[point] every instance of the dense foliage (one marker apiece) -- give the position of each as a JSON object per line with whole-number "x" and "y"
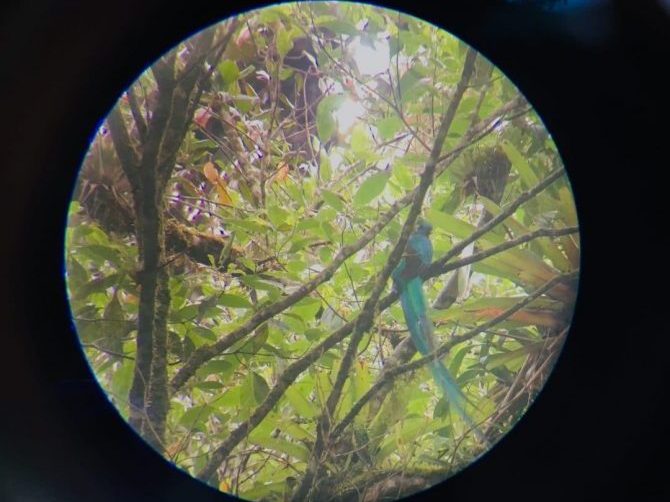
{"x": 282, "y": 177}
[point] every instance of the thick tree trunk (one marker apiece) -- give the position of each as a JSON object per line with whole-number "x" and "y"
{"x": 148, "y": 402}
{"x": 148, "y": 169}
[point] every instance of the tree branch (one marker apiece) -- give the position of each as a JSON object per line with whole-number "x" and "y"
{"x": 178, "y": 119}
{"x": 163, "y": 71}
{"x": 222, "y": 45}
{"x": 493, "y": 222}
{"x": 128, "y": 156}
{"x": 522, "y": 239}
{"x": 137, "y": 114}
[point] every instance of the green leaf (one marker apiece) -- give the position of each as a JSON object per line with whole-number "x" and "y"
{"x": 195, "y": 416}
{"x": 296, "y": 431}
{"x": 340, "y": 26}
{"x": 229, "y": 71}
{"x": 121, "y": 381}
{"x": 296, "y": 266}
{"x": 286, "y": 72}
{"x": 528, "y": 176}
{"x": 216, "y": 367}
{"x": 548, "y": 246}
{"x": 458, "y": 127}
{"x": 244, "y": 103}
{"x": 450, "y": 224}
{"x": 408, "y": 80}
{"x": 403, "y": 176}
{"x": 325, "y": 254}
{"x": 360, "y": 141}
{"x": 389, "y": 126}
{"x": 332, "y": 199}
{"x": 100, "y": 253}
{"x": 326, "y": 214}
{"x": 325, "y": 167}
{"x": 187, "y": 347}
{"x": 413, "y": 159}
{"x": 248, "y": 70}
{"x": 230, "y": 399}
{"x": 413, "y": 85}
{"x": 299, "y": 244}
{"x": 209, "y": 386}
{"x": 234, "y": 301}
{"x": 295, "y": 193}
{"x": 76, "y": 274}
{"x": 260, "y": 387}
{"x": 412, "y": 41}
{"x": 467, "y": 105}
{"x": 325, "y": 122}
{"x": 284, "y": 41}
{"x": 277, "y": 215}
{"x": 208, "y": 307}
{"x": 304, "y": 407}
{"x": 268, "y": 16}
{"x": 567, "y": 206}
{"x": 467, "y": 376}
{"x": 441, "y": 409}
{"x": 411, "y": 430}
{"x": 294, "y": 322}
{"x": 263, "y": 490}
{"x": 187, "y": 313}
{"x": 313, "y": 334}
{"x": 255, "y": 225}
{"x": 197, "y": 333}
{"x": 295, "y": 450}
{"x": 541, "y": 312}
{"x": 513, "y": 356}
{"x": 307, "y": 308}
{"x": 74, "y": 208}
{"x": 457, "y": 360}
{"x": 328, "y": 231}
{"x": 357, "y": 271}
{"x": 370, "y": 189}
{"x": 257, "y": 283}
{"x": 254, "y": 390}
{"x": 96, "y": 285}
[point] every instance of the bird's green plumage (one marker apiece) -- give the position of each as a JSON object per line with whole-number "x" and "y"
{"x": 409, "y": 284}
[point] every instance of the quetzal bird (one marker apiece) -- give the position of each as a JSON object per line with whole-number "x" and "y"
{"x": 408, "y": 284}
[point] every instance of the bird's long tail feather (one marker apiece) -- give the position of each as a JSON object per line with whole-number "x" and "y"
{"x": 414, "y": 307}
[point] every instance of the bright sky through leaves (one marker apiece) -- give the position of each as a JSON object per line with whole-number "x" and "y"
{"x": 369, "y": 61}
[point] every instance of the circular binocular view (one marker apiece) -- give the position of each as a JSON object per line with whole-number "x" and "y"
{"x": 322, "y": 251}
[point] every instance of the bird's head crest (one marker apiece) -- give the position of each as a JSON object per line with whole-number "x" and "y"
{"x": 424, "y": 227}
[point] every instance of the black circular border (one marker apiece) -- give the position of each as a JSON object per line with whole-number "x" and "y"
{"x": 596, "y": 79}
